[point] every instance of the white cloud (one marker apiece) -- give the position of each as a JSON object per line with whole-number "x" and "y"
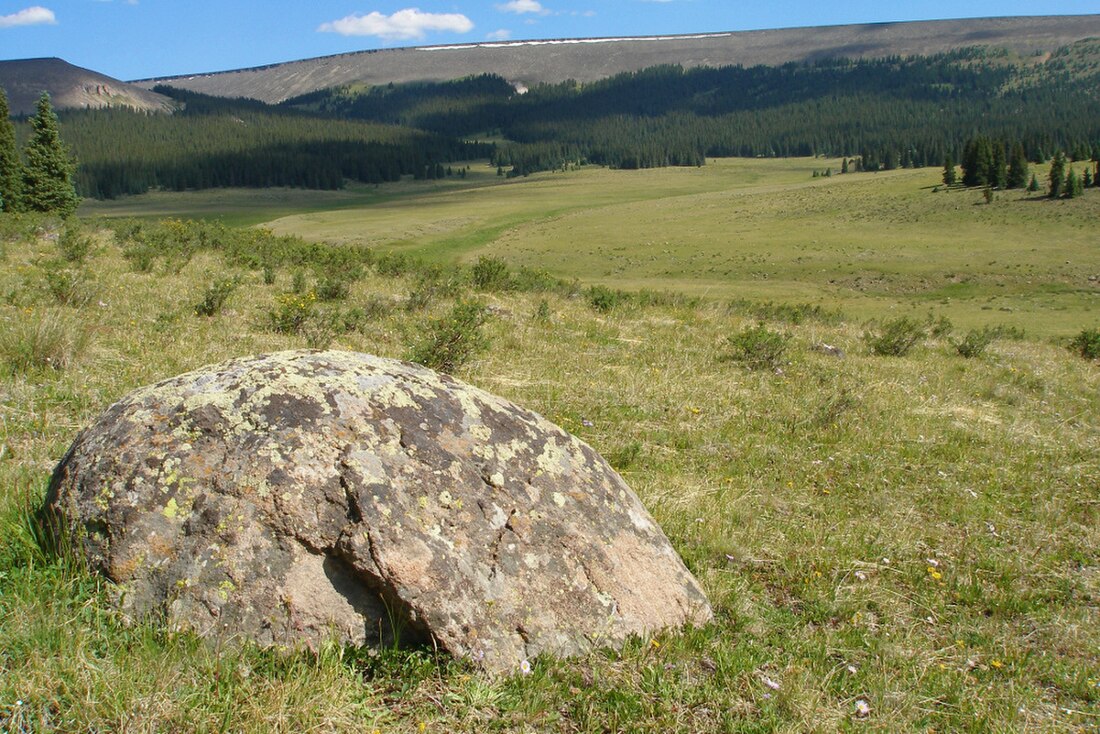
{"x": 404, "y": 24}
{"x": 523, "y": 6}
{"x": 36, "y": 15}
{"x": 502, "y": 35}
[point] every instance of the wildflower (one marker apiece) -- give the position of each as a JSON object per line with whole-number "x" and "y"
{"x": 587, "y": 423}
{"x": 932, "y": 562}
{"x": 861, "y": 576}
{"x": 655, "y": 644}
{"x": 771, "y": 683}
{"x": 525, "y": 667}
{"x": 862, "y": 708}
{"x": 996, "y": 664}
{"x": 853, "y": 669}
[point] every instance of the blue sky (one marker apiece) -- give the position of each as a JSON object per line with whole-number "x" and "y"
{"x": 131, "y": 39}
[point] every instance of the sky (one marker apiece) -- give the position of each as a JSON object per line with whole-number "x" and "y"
{"x": 135, "y": 39}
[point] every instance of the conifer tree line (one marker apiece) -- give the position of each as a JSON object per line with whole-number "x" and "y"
{"x": 876, "y": 114}
{"x": 42, "y": 180}
{"x": 998, "y": 164}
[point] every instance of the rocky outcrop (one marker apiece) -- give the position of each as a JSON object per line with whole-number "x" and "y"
{"x": 295, "y": 496}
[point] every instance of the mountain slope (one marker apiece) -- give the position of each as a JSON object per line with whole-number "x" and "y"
{"x": 526, "y": 63}
{"x": 72, "y": 87}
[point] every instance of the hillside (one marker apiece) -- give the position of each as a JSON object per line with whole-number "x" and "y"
{"x": 526, "y": 63}
{"x": 72, "y": 87}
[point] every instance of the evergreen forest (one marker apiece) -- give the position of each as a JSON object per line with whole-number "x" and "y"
{"x": 883, "y": 113}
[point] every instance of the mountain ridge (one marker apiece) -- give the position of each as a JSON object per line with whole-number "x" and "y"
{"x": 529, "y": 62}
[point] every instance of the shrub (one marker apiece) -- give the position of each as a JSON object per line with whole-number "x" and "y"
{"x": 291, "y": 312}
{"x": 788, "y": 313}
{"x": 269, "y": 275}
{"x": 41, "y": 340}
{"x": 453, "y": 340}
{"x": 758, "y": 347}
{"x": 894, "y": 338}
{"x": 68, "y": 286}
{"x": 298, "y": 283}
{"x": 542, "y": 311}
{"x": 940, "y": 327}
{"x": 73, "y": 243}
{"x": 491, "y": 274}
{"x": 217, "y": 293}
{"x": 603, "y": 299}
{"x": 333, "y": 287}
{"x": 975, "y": 342}
{"x": 1087, "y": 343}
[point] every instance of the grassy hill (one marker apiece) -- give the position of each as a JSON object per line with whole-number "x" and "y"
{"x": 891, "y": 542}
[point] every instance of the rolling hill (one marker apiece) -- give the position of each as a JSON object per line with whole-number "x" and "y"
{"x": 526, "y": 63}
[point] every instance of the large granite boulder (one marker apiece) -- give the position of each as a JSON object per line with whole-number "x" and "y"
{"x": 296, "y": 496}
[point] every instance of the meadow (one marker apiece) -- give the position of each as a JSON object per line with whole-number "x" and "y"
{"x": 872, "y": 245}
{"x": 900, "y": 542}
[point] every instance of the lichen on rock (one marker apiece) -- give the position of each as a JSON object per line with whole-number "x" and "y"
{"x": 301, "y": 495}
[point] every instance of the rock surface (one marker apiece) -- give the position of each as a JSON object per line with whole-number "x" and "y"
{"x": 296, "y": 496}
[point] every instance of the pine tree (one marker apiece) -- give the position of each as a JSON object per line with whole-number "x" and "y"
{"x": 977, "y": 162}
{"x": 10, "y": 167}
{"x": 1073, "y": 185}
{"x": 1057, "y": 175}
{"x": 1017, "y": 168}
{"x": 1034, "y": 185}
{"x": 49, "y": 170}
{"x": 998, "y": 167}
{"x": 949, "y": 176}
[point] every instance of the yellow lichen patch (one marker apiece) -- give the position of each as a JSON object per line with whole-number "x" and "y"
{"x": 171, "y": 510}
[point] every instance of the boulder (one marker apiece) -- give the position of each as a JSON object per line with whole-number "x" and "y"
{"x": 301, "y": 496}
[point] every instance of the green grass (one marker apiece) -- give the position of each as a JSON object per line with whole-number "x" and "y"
{"x": 868, "y": 244}
{"x": 920, "y": 533}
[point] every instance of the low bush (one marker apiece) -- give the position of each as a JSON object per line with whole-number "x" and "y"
{"x": 759, "y": 348}
{"x": 491, "y": 274}
{"x": 975, "y": 342}
{"x": 74, "y": 243}
{"x": 1087, "y": 343}
{"x": 894, "y": 338}
{"x": 453, "y": 340}
{"x": 215, "y": 296}
{"x": 68, "y": 286}
{"x": 292, "y": 311}
{"x": 787, "y": 313}
{"x": 603, "y": 299}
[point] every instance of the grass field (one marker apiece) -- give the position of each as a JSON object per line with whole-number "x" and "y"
{"x": 869, "y": 244}
{"x": 906, "y": 543}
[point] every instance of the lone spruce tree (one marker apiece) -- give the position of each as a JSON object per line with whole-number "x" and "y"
{"x": 10, "y": 168}
{"x": 48, "y": 171}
